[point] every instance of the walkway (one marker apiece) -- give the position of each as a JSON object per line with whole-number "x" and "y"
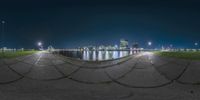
{"x": 44, "y": 76}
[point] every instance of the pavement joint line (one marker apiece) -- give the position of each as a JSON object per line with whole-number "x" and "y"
{"x": 12, "y": 81}
{"x": 22, "y": 75}
{"x": 161, "y": 72}
{"x": 51, "y": 78}
{"x": 187, "y": 83}
{"x": 124, "y": 75}
{"x": 103, "y": 82}
{"x": 181, "y": 74}
{"x": 17, "y": 61}
{"x": 63, "y": 74}
{"x": 45, "y": 79}
{"x": 66, "y": 76}
{"x": 89, "y": 82}
{"x": 133, "y": 86}
{"x": 22, "y": 61}
{"x": 178, "y": 76}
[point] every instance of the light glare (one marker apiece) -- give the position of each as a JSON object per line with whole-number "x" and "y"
{"x": 39, "y": 43}
{"x": 149, "y": 43}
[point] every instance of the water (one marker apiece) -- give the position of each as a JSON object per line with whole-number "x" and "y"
{"x": 96, "y": 55}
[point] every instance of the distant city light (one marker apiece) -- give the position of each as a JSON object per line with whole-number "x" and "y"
{"x": 149, "y": 43}
{"x": 116, "y": 46}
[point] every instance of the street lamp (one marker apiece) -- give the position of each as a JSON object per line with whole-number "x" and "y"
{"x": 196, "y": 44}
{"x": 149, "y": 43}
{"x": 40, "y": 45}
{"x": 2, "y": 33}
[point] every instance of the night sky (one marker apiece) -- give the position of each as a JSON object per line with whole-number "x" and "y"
{"x": 70, "y": 24}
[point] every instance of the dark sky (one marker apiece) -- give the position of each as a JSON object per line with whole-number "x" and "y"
{"x": 69, "y": 24}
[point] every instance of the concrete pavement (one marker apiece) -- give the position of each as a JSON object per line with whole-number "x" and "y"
{"x": 44, "y": 76}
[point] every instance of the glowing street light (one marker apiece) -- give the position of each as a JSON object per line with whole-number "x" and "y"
{"x": 196, "y": 44}
{"x": 149, "y": 43}
{"x": 39, "y": 43}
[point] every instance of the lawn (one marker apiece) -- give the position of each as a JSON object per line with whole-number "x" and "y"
{"x": 183, "y": 55}
{"x": 16, "y": 54}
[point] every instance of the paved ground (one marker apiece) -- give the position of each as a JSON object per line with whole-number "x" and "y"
{"x": 144, "y": 76}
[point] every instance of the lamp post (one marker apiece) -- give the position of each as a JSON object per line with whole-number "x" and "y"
{"x": 40, "y": 45}
{"x": 196, "y": 45}
{"x": 149, "y": 44}
{"x": 2, "y": 37}
{"x": 171, "y": 47}
{"x": 2, "y": 34}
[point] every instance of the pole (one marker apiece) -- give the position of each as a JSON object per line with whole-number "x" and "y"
{"x": 2, "y": 33}
{"x": 2, "y": 37}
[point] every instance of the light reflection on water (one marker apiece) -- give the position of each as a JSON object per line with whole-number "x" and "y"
{"x": 97, "y": 55}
